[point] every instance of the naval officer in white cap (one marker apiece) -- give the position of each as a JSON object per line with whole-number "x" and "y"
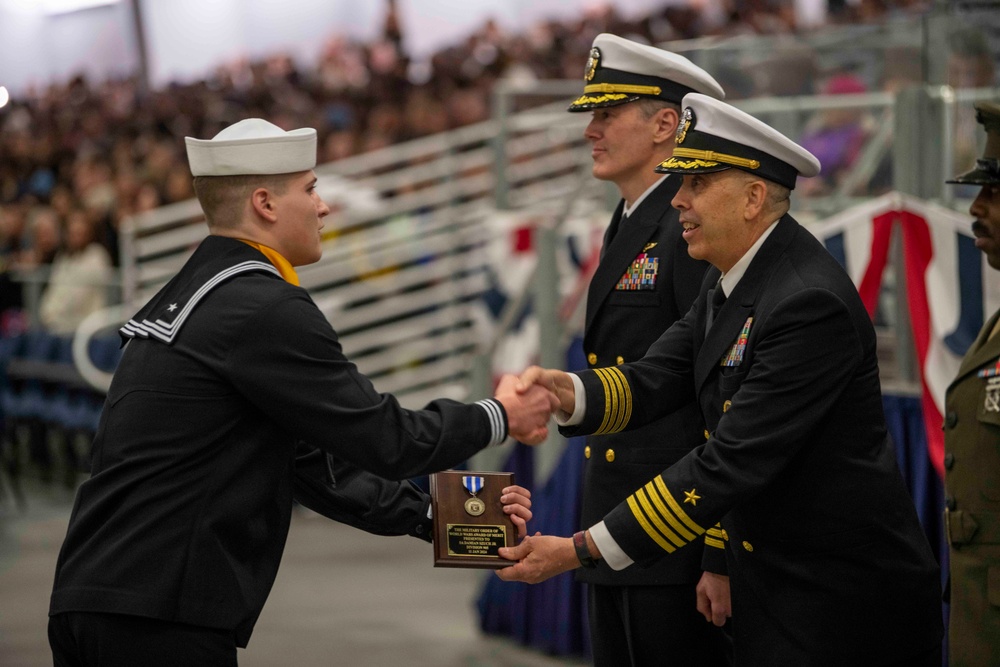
{"x": 645, "y": 281}
{"x": 233, "y": 396}
{"x": 827, "y": 561}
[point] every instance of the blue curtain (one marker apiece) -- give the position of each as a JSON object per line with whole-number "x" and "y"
{"x": 904, "y": 417}
{"x": 551, "y": 616}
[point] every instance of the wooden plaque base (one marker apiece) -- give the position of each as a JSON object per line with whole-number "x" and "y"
{"x": 464, "y": 537}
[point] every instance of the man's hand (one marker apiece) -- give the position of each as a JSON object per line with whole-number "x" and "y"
{"x": 713, "y": 598}
{"x": 539, "y": 557}
{"x": 517, "y": 503}
{"x": 528, "y": 410}
{"x": 557, "y": 382}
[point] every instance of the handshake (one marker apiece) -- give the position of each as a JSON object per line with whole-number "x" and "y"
{"x": 530, "y": 400}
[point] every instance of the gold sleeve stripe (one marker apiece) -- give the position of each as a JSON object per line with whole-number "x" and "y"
{"x": 734, "y": 160}
{"x": 655, "y": 536}
{"x": 626, "y": 413}
{"x": 715, "y": 532}
{"x": 712, "y": 542}
{"x": 667, "y": 514}
{"x": 621, "y": 88}
{"x": 655, "y": 519}
{"x": 681, "y": 514}
{"x": 607, "y": 402}
{"x": 612, "y": 398}
{"x": 617, "y": 400}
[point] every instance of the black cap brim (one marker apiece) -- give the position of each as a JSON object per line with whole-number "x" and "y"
{"x": 987, "y": 172}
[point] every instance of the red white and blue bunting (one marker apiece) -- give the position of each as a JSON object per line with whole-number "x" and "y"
{"x": 949, "y": 287}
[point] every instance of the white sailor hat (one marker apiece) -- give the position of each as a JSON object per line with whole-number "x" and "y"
{"x": 713, "y": 136}
{"x": 252, "y": 146}
{"x": 619, "y": 71}
{"x": 987, "y": 169}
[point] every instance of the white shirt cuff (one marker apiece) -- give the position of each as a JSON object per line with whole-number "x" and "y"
{"x": 579, "y": 407}
{"x": 611, "y": 553}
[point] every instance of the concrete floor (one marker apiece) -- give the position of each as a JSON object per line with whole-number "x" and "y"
{"x": 342, "y": 597}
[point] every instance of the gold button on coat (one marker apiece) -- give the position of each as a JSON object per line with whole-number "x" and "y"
{"x": 747, "y": 546}
{"x": 591, "y": 358}
{"x": 620, "y": 360}
{"x": 707, "y": 434}
{"x": 586, "y": 452}
{"x": 610, "y": 455}
{"x": 726, "y": 406}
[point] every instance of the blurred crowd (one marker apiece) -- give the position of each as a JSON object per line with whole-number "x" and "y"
{"x": 84, "y": 155}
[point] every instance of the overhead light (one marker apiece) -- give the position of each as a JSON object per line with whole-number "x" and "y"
{"x": 4, "y": 97}
{"x": 67, "y": 6}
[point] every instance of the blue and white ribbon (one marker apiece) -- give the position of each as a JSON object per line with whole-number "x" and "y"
{"x": 472, "y": 483}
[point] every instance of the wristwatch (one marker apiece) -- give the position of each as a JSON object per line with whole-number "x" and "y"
{"x": 582, "y": 552}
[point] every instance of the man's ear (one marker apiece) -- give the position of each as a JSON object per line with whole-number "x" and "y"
{"x": 666, "y": 125}
{"x": 756, "y": 198}
{"x": 263, "y": 204}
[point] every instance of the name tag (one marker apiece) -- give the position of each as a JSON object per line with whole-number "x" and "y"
{"x": 991, "y": 402}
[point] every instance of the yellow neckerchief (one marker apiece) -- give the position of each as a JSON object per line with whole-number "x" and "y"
{"x": 280, "y": 263}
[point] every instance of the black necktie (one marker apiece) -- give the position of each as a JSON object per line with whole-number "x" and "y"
{"x": 716, "y": 297}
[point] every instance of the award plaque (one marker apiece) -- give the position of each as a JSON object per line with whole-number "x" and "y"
{"x": 469, "y": 521}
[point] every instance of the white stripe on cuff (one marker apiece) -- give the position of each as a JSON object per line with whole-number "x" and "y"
{"x": 498, "y": 426}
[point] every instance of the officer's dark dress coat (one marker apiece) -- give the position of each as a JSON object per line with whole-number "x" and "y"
{"x": 828, "y": 563}
{"x": 230, "y": 373}
{"x": 623, "y": 319}
{"x": 972, "y": 514}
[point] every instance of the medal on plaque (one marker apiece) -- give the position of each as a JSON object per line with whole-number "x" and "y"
{"x": 473, "y": 485}
{"x": 469, "y": 522}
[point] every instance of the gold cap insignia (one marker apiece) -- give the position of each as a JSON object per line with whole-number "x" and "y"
{"x": 592, "y": 62}
{"x": 686, "y": 123}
